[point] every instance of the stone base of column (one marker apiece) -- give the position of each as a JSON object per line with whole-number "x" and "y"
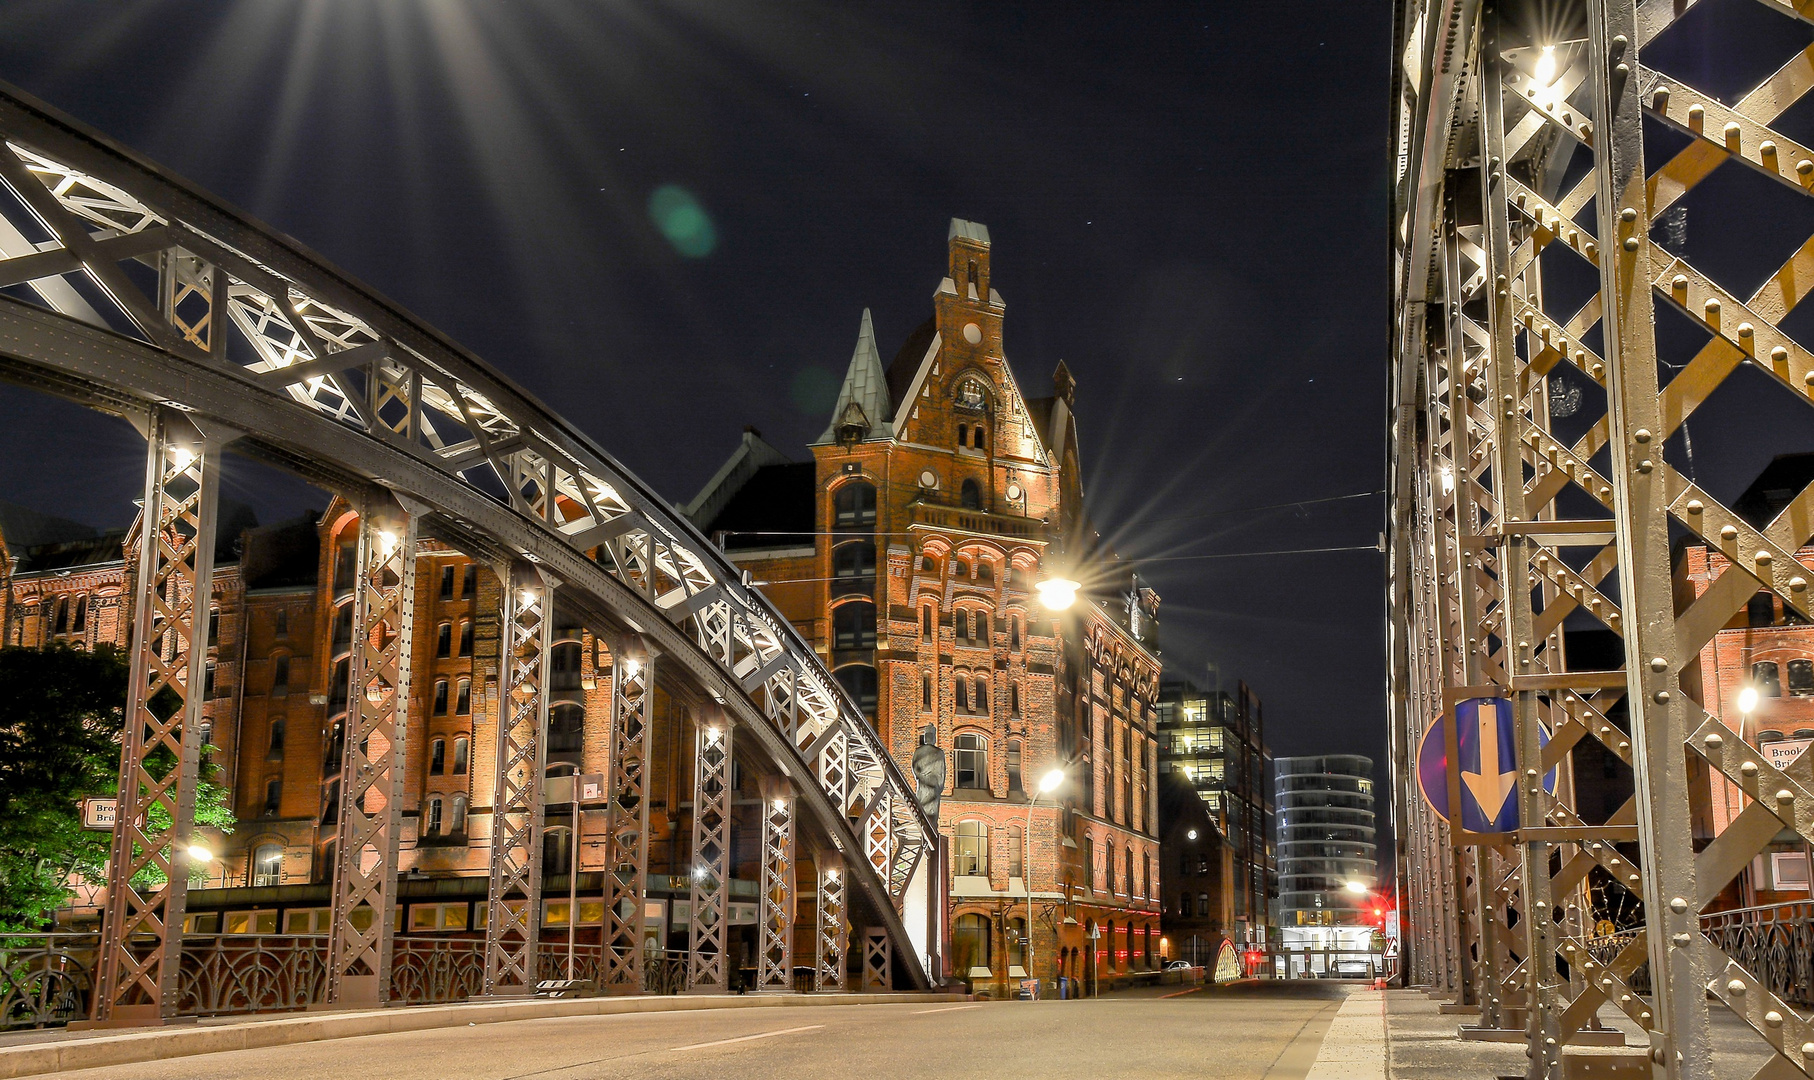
{"x": 1517, "y": 1035}
{"x": 1456, "y": 1008}
{"x": 131, "y": 1016}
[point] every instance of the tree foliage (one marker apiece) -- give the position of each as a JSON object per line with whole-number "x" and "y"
{"x": 62, "y": 711}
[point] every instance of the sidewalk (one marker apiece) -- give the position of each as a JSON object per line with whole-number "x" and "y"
{"x": 1400, "y": 1035}
{"x": 40, "y": 1052}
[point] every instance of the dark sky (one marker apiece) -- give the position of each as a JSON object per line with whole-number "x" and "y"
{"x": 1187, "y": 201}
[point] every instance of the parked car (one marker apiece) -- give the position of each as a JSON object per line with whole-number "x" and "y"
{"x": 1177, "y": 965}
{"x": 1352, "y": 969}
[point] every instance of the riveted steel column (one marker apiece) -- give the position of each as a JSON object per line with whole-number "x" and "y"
{"x": 371, "y": 800}
{"x": 160, "y": 753}
{"x": 708, "y": 968}
{"x": 878, "y": 959}
{"x": 832, "y": 941}
{"x": 515, "y": 896}
{"x": 627, "y": 812}
{"x": 1541, "y": 981}
{"x": 775, "y": 924}
{"x": 1681, "y": 1035}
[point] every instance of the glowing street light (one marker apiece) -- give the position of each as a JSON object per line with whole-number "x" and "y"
{"x": 1356, "y": 887}
{"x": 200, "y": 854}
{"x": 1546, "y": 66}
{"x": 1747, "y": 700}
{"x": 1057, "y": 593}
{"x": 1047, "y": 784}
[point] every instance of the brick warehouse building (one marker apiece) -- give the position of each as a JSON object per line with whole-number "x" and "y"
{"x": 276, "y": 704}
{"x": 907, "y": 550}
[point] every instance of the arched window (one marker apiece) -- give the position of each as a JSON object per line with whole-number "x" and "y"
{"x": 970, "y": 496}
{"x": 854, "y": 506}
{"x": 928, "y": 564}
{"x": 79, "y": 622}
{"x": 280, "y": 622}
{"x": 1014, "y": 783}
{"x": 960, "y": 624}
{"x": 961, "y": 689}
{"x": 440, "y": 697}
{"x": 1017, "y": 943}
{"x": 970, "y": 754}
{"x": 1146, "y": 874}
{"x": 1014, "y": 632}
{"x": 267, "y": 865}
{"x": 1014, "y": 699}
{"x": 982, "y": 695}
{"x": 274, "y": 749}
{"x": 963, "y": 434}
{"x": 1203, "y": 905}
{"x": 466, "y": 637}
{"x": 926, "y": 622}
{"x": 437, "y": 757}
{"x": 853, "y": 625}
{"x": 970, "y": 939}
{"x": 431, "y": 817}
{"x": 566, "y": 728}
{"x": 926, "y": 692}
{"x": 214, "y": 625}
{"x": 970, "y": 849}
{"x": 1801, "y": 677}
{"x": 859, "y": 680}
{"x": 1764, "y": 676}
{"x": 343, "y": 627}
{"x": 444, "y": 639}
{"x": 557, "y": 850}
{"x": 456, "y": 817}
{"x": 1089, "y": 863}
{"x": 985, "y": 570}
{"x": 280, "y": 673}
{"x": 273, "y": 797}
{"x": 977, "y": 435}
{"x": 208, "y": 681}
{"x": 1108, "y": 867}
{"x": 853, "y": 568}
{"x": 1130, "y": 871}
{"x": 463, "y": 699}
{"x": 1017, "y": 866}
{"x": 960, "y": 568}
{"x": 460, "y": 749}
{"x": 565, "y": 666}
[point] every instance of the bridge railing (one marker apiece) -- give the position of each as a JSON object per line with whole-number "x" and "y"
{"x": 1775, "y": 943}
{"x": 46, "y": 980}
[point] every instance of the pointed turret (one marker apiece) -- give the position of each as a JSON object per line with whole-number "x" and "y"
{"x": 863, "y": 404}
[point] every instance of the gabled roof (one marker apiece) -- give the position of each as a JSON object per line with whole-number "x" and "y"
{"x": 864, "y": 399}
{"x": 22, "y": 527}
{"x": 906, "y": 362}
{"x": 772, "y": 508}
{"x": 752, "y": 453}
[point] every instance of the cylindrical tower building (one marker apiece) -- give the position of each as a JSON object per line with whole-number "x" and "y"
{"x": 1328, "y": 873}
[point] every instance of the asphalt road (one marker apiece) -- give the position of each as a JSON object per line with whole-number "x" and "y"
{"x": 1260, "y": 1032}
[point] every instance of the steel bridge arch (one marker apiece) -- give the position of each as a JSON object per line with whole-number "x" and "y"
{"x": 248, "y": 329}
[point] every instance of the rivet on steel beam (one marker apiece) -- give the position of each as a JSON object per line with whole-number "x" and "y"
{"x": 1628, "y": 215}
{"x": 1805, "y": 168}
{"x": 1658, "y": 664}
{"x": 1661, "y": 697}
{"x": 1728, "y": 533}
{"x": 1696, "y": 116}
{"x": 1659, "y": 98}
{"x": 1732, "y": 136}
{"x": 1785, "y": 795}
{"x": 1773, "y": 1018}
{"x": 1680, "y": 941}
{"x": 1678, "y": 905}
{"x": 1736, "y": 987}
{"x": 1642, "y": 435}
{"x": 1713, "y": 741}
{"x": 1807, "y": 1049}
{"x": 1712, "y": 309}
{"x": 1631, "y": 243}
{"x": 1748, "y": 770}
{"x": 1797, "y": 584}
{"x": 1679, "y": 283}
{"x": 1744, "y": 330}
{"x": 1767, "y": 148}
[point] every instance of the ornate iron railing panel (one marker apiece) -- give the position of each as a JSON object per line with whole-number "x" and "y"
{"x": 46, "y": 980}
{"x": 243, "y": 322}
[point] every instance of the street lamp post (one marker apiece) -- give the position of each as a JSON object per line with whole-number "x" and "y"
{"x": 1047, "y": 784}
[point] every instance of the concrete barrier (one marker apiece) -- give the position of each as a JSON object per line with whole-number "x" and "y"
{"x": 95, "y": 1049}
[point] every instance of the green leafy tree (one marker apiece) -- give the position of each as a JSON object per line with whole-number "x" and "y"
{"x": 62, "y": 711}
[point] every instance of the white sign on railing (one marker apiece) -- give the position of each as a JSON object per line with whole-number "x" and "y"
{"x": 1783, "y": 752}
{"x": 98, "y": 812}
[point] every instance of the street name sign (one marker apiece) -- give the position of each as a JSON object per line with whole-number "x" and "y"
{"x": 1488, "y": 751}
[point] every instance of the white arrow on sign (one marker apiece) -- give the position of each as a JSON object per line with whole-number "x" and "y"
{"x": 1490, "y": 786}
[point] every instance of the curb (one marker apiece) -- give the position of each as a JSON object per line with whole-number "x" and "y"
{"x": 162, "y": 1043}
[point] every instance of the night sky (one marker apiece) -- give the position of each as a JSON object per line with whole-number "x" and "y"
{"x": 1188, "y": 204}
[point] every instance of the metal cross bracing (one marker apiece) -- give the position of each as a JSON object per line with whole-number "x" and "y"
{"x": 129, "y": 290}
{"x": 708, "y": 966}
{"x": 627, "y": 812}
{"x": 1535, "y": 493}
{"x": 832, "y": 920}
{"x": 514, "y": 897}
{"x": 775, "y": 920}
{"x": 371, "y": 774}
{"x": 141, "y": 926}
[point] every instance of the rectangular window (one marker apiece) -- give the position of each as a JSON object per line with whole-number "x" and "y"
{"x": 1014, "y": 765}
{"x": 440, "y": 697}
{"x": 447, "y": 579}
{"x": 444, "y": 640}
{"x": 1017, "y": 866}
{"x": 970, "y": 850}
{"x": 926, "y": 692}
{"x": 1764, "y": 676}
{"x": 280, "y": 673}
{"x": 469, "y": 581}
{"x": 463, "y": 704}
{"x": 466, "y": 639}
{"x": 280, "y": 623}
{"x": 962, "y": 690}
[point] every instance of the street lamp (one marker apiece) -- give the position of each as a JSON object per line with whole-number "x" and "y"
{"x": 1747, "y": 700}
{"x": 1057, "y": 592}
{"x": 1356, "y": 886}
{"x": 1047, "y": 784}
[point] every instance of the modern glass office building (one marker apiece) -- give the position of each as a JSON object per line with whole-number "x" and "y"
{"x": 1328, "y": 868}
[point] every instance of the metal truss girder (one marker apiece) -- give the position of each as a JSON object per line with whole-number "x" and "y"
{"x": 371, "y": 771}
{"x": 707, "y": 966}
{"x": 627, "y": 813}
{"x": 148, "y": 867}
{"x": 878, "y": 959}
{"x": 514, "y": 897}
{"x": 372, "y": 393}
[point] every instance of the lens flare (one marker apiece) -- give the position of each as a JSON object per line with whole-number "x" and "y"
{"x": 680, "y": 218}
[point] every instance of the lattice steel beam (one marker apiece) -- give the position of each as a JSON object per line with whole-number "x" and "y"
{"x": 775, "y": 920}
{"x": 514, "y": 903}
{"x": 371, "y": 773}
{"x": 832, "y": 939}
{"x": 160, "y": 753}
{"x": 627, "y": 812}
{"x": 708, "y": 968}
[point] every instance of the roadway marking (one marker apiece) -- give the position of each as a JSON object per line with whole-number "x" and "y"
{"x": 741, "y": 1038}
{"x": 1181, "y": 993}
{"x": 945, "y": 1009}
{"x": 1296, "y": 1059}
